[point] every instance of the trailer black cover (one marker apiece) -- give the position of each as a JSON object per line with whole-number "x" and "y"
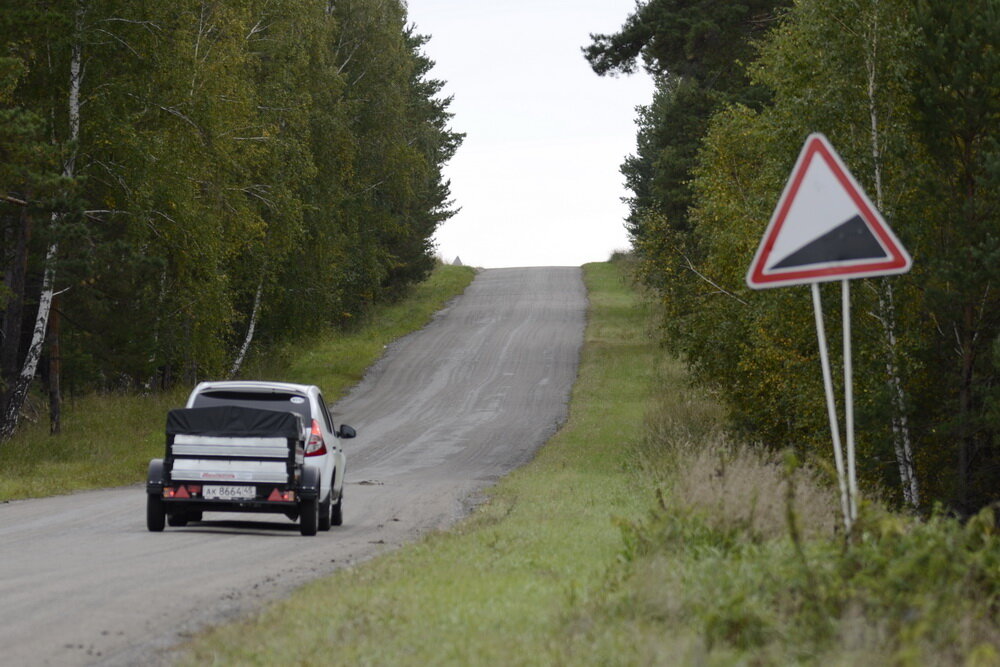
{"x": 233, "y": 421}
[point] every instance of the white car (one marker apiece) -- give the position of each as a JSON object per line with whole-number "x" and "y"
{"x": 322, "y": 437}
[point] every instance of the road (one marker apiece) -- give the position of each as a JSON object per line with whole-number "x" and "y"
{"x": 446, "y": 412}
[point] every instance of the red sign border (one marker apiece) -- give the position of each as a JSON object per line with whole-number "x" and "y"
{"x": 899, "y": 261}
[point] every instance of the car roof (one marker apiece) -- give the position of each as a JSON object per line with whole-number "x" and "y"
{"x": 256, "y": 386}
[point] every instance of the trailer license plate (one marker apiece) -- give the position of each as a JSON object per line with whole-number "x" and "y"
{"x": 227, "y": 492}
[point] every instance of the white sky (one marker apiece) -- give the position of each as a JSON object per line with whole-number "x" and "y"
{"x": 537, "y": 177}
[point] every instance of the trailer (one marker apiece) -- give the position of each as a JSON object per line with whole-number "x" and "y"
{"x": 230, "y": 458}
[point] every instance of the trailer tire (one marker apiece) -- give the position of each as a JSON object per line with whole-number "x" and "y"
{"x": 156, "y": 515}
{"x": 309, "y": 516}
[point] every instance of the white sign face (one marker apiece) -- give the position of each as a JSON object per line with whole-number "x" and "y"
{"x": 824, "y": 227}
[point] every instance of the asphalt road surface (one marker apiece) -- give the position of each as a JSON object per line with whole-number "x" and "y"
{"x": 445, "y": 413}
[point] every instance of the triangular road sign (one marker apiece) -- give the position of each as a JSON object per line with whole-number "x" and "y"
{"x": 824, "y": 227}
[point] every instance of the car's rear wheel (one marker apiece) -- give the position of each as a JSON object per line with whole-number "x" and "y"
{"x": 337, "y": 515}
{"x": 156, "y": 515}
{"x": 309, "y": 516}
{"x": 324, "y": 513}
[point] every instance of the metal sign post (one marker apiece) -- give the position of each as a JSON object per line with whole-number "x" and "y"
{"x": 831, "y": 407}
{"x": 852, "y": 475}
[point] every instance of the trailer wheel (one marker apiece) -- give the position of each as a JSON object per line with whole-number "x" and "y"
{"x": 324, "y": 512}
{"x": 156, "y": 516}
{"x": 309, "y": 516}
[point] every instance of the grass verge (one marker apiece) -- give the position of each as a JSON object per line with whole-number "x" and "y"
{"x": 108, "y": 439}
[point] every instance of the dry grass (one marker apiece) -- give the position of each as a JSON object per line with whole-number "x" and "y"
{"x": 686, "y": 449}
{"x": 737, "y": 486}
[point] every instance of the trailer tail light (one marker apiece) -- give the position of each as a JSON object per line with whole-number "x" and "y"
{"x": 281, "y": 496}
{"x": 315, "y": 446}
{"x": 179, "y": 491}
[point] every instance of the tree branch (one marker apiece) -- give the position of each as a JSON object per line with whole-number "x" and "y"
{"x": 722, "y": 290}
{"x": 13, "y": 200}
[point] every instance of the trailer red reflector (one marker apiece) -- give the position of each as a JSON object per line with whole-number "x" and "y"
{"x": 182, "y": 492}
{"x": 275, "y": 495}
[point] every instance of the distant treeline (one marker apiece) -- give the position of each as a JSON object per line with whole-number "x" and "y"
{"x": 908, "y": 91}
{"x": 180, "y": 180}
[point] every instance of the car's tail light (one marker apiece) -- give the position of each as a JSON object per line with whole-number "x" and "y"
{"x": 315, "y": 446}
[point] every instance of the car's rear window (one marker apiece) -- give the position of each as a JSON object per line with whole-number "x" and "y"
{"x": 261, "y": 401}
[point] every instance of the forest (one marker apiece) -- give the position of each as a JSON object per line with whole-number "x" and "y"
{"x": 184, "y": 182}
{"x": 908, "y": 91}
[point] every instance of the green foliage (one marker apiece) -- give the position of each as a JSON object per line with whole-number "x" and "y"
{"x": 955, "y": 87}
{"x": 226, "y": 150}
{"x": 905, "y": 591}
{"x": 908, "y": 95}
{"x": 703, "y": 40}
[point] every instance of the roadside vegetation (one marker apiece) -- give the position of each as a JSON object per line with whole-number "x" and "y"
{"x": 641, "y": 534}
{"x": 110, "y": 437}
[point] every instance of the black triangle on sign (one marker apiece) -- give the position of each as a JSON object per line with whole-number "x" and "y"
{"x": 853, "y": 240}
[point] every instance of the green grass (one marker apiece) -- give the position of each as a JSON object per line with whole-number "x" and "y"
{"x": 498, "y": 588}
{"x": 108, "y": 440}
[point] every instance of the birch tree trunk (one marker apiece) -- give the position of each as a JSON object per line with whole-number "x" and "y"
{"x": 901, "y": 438}
{"x": 238, "y": 362}
{"x": 55, "y": 369}
{"x": 15, "y": 400}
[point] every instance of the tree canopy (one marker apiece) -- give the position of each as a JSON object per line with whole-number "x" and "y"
{"x": 185, "y": 178}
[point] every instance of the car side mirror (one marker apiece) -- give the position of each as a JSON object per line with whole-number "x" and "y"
{"x": 346, "y": 432}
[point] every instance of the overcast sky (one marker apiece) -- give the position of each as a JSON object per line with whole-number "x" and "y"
{"x": 537, "y": 177}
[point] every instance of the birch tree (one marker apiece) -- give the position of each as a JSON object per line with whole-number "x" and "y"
{"x": 886, "y": 315}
